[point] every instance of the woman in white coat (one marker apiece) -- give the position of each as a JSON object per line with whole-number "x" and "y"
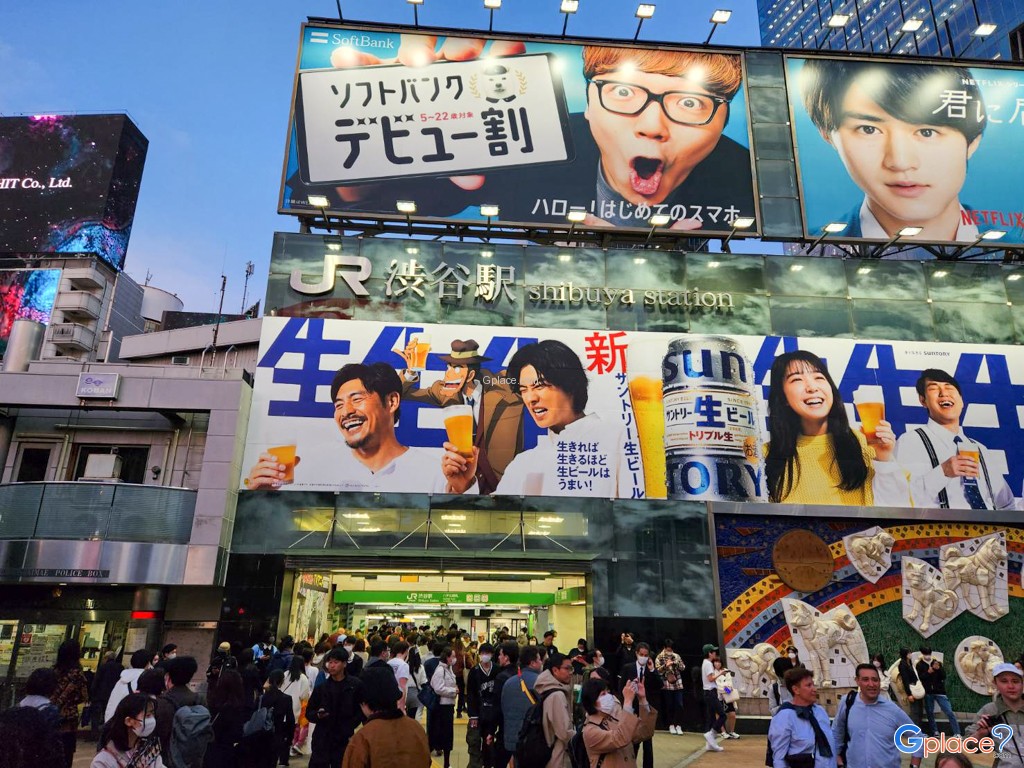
{"x": 441, "y": 724}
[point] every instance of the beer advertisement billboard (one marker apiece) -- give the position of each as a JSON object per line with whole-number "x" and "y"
{"x": 884, "y": 145}
{"x": 342, "y": 405}
{"x": 535, "y": 127}
{"x": 69, "y": 184}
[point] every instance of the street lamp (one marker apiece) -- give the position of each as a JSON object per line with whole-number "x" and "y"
{"x": 720, "y": 16}
{"x": 575, "y": 216}
{"x": 415, "y": 10}
{"x": 568, "y": 7}
{"x": 643, "y": 11}
{"x": 740, "y": 222}
{"x": 909, "y": 27}
{"x": 836, "y": 21}
{"x": 991, "y": 235}
{"x": 657, "y": 220}
{"x": 408, "y": 207}
{"x": 832, "y": 228}
{"x": 491, "y": 211}
{"x": 905, "y": 232}
{"x": 492, "y": 6}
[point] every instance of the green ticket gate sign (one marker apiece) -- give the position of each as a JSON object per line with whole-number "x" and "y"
{"x": 348, "y": 596}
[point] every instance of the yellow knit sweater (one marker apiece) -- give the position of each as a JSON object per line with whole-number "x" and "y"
{"x": 817, "y": 475}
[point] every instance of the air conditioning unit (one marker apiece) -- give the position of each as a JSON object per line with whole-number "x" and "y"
{"x": 180, "y": 360}
{"x": 102, "y": 468}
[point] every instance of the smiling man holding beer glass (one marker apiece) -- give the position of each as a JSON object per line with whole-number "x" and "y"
{"x": 814, "y": 457}
{"x": 947, "y": 468}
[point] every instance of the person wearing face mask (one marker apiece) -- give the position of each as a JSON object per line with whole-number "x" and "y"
{"x": 610, "y": 731}
{"x": 482, "y": 709}
{"x": 780, "y": 694}
{"x": 878, "y": 662}
{"x": 933, "y": 678}
{"x": 441, "y": 725}
{"x": 128, "y": 737}
{"x": 643, "y": 669}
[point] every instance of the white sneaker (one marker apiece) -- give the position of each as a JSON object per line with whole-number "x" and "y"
{"x": 672, "y": 729}
{"x": 713, "y": 745}
{"x": 732, "y": 735}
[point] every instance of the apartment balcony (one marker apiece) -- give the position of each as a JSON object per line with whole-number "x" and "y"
{"x": 85, "y": 278}
{"x": 72, "y": 336}
{"x": 79, "y": 305}
{"x": 97, "y": 511}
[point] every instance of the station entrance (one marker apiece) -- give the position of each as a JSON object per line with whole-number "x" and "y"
{"x": 512, "y": 597}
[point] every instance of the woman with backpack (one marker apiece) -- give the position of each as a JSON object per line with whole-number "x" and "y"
{"x": 38, "y": 690}
{"x": 230, "y": 712}
{"x": 270, "y": 748}
{"x": 72, "y": 690}
{"x": 669, "y": 665}
{"x": 298, "y": 688}
{"x": 129, "y": 739}
{"x": 418, "y": 678}
{"x": 610, "y": 731}
{"x": 441, "y": 723}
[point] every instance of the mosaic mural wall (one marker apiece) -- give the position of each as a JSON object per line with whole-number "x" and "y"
{"x": 878, "y": 585}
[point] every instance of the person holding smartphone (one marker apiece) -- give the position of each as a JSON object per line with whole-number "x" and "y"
{"x": 333, "y": 708}
{"x": 1008, "y": 708}
{"x": 642, "y": 671}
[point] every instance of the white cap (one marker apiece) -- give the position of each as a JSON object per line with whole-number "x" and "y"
{"x": 1006, "y": 667}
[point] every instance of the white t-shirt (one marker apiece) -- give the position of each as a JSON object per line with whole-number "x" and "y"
{"x": 418, "y": 470}
{"x": 401, "y": 670}
{"x": 585, "y": 459}
{"x": 708, "y": 668}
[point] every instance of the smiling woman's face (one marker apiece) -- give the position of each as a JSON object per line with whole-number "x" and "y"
{"x": 809, "y": 394}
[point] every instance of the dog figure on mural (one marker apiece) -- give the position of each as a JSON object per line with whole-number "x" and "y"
{"x": 752, "y": 664}
{"x": 929, "y": 593}
{"x": 977, "y": 663}
{"x": 871, "y": 548}
{"x": 821, "y": 635}
{"x": 979, "y": 570}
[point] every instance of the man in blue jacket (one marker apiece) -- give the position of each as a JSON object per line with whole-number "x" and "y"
{"x": 514, "y": 701}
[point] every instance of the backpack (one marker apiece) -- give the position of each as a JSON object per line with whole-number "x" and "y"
{"x": 191, "y": 732}
{"x": 261, "y": 721}
{"x": 577, "y": 749}
{"x": 532, "y": 748}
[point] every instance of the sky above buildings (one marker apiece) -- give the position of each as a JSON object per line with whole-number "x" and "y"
{"x": 210, "y": 85}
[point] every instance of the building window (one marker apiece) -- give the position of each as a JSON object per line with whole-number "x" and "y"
{"x": 1017, "y": 44}
{"x": 133, "y": 460}
{"x": 33, "y": 465}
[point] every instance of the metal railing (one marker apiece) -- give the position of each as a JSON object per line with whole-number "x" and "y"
{"x": 96, "y": 511}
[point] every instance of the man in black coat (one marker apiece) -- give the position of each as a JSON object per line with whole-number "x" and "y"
{"x": 333, "y": 707}
{"x": 643, "y": 669}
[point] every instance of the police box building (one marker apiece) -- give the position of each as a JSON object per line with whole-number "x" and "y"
{"x": 570, "y": 414}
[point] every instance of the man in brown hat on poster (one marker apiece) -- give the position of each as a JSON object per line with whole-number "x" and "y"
{"x": 497, "y": 410}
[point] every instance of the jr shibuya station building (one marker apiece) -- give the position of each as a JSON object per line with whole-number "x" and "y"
{"x": 503, "y": 382}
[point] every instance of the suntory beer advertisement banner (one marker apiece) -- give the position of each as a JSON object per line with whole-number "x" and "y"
{"x": 345, "y": 405}
{"x": 533, "y": 127}
{"x": 886, "y": 145}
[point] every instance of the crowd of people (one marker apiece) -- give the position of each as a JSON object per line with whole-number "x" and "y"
{"x": 354, "y": 699}
{"x": 863, "y": 733}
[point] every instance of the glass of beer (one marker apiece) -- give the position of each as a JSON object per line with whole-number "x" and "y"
{"x": 285, "y": 454}
{"x": 870, "y": 407}
{"x": 458, "y": 421}
{"x": 422, "y": 349}
{"x": 971, "y": 452}
{"x": 645, "y": 394}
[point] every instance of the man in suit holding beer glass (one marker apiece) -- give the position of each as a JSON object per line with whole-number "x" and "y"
{"x": 947, "y": 468}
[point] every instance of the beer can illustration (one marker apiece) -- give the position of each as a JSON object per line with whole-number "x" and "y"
{"x": 712, "y": 430}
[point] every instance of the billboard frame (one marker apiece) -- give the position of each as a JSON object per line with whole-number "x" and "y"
{"x": 542, "y": 232}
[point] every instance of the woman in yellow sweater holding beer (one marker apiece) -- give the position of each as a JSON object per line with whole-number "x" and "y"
{"x": 814, "y": 457}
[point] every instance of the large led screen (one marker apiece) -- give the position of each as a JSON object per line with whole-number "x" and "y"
{"x": 69, "y": 184}
{"x": 26, "y": 294}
